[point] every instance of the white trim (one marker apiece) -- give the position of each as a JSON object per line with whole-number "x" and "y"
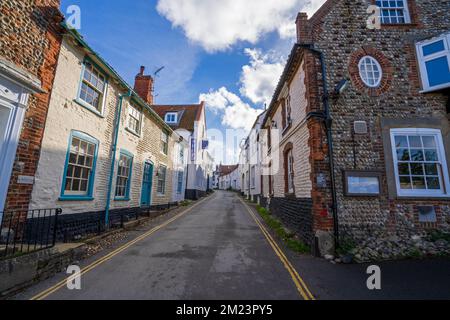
{"x": 422, "y": 60}
{"x": 171, "y": 114}
{"x": 378, "y": 65}
{"x": 15, "y": 98}
{"x": 405, "y": 8}
{"x": 444, "y": 175}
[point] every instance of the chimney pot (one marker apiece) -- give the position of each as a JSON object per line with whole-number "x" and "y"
{"x": 142, "y": 70}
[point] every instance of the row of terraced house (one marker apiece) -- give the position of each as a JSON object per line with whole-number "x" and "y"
{"x": 353, "y": 151}
{"x": 75, "y": 136}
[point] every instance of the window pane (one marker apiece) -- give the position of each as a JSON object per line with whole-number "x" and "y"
{"x": 417, "y": 155}
{"x": 433, "y": 183}
{"x": 434, "y": 47}
{"x": 417, "y": 169}
{"x": 419, "y": 183}
{"x": 401, "y": 142}
{"x": 438, "y": 71}
{"x": 403, "y": 169}
{"x": 405, "y": 182}
{"x": 429, "y": 142}
{"x": 431, "y": 169}
{"x": 415, "y": 142}
{"x": 403, "y": 155}
{"x": 431, "y": 155}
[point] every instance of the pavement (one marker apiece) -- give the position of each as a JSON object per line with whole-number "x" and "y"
{"x": 217, "y": 251}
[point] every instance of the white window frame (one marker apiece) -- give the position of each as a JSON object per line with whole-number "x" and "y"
{"x": 164, "y": 142}
{"x": 101, "y": 107}
{"x": 164, "y": 185}
{"x": 405, "y": 9}
{"x": 135, "y": 114}
{"x": 361, "y": 61}
{"x": 444, "y": 175}
{"x": 422, "y": 59}
{"x": 170, "y": 114}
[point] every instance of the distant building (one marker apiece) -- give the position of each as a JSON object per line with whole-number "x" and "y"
{"x": 229, "y": 178}
{"x": 189, "y": 121}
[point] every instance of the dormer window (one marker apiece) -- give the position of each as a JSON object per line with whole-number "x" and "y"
{"x": 394, "y": 11}
{"x": 434, "y": 60}
{"x": 171, "y": 117}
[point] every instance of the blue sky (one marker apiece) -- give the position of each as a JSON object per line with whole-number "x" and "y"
{"x": 229, "y": 52}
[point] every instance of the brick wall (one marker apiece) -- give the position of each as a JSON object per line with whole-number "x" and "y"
{"x": 30, "y": 39}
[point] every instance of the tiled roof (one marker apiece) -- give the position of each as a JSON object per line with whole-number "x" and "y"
{"x": 226, "y": 170}
{"x": 187, "y": 114}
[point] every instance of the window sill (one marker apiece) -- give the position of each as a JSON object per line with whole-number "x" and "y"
{"x": 75, "y": 198}
{"x": 423, "y": 198}
{"x": 122, "y": 199}
{"x": 399, "y": 25}
{"x": 436, "y": 88}
{"x": 133, "y": 132}
{"x": 89, "y": 107}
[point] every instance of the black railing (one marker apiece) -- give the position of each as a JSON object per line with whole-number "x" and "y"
{"x": 23, "y": 232}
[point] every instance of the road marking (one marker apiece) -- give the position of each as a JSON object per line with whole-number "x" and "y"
{"x": 299, "y": 283}
{"x": 44, "y": 294}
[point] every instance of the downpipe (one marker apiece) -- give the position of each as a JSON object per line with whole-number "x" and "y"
{"x": 328, "y": 122}
{"x": 113, "y": 155}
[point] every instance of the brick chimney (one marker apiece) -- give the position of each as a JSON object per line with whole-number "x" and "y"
{"x": 143, "y": 85}
{"x": 303, "y": 34}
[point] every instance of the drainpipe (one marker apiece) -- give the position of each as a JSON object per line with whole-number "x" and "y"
{"x": 113, "y": 155}
{"x": 328, "y": 121}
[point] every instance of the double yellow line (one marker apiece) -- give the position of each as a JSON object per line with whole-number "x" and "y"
{"x": 44, "y": 294}
{"x": 299, "y": 283}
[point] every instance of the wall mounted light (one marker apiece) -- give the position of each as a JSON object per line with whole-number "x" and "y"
{"x": 341, "y": 86}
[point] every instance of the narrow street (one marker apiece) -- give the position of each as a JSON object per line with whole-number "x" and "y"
{"x": 217, "y": 251}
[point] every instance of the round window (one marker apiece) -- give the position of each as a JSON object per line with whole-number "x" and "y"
{"x": 370, "y": 71}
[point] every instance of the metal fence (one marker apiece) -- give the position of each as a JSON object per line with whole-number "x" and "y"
{"x": 23, "y": 232}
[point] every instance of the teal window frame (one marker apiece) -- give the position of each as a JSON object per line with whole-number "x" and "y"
{"x": 83, "y": 103}
{"x": 89, "y": 195}
{"x": 129, "y": 155}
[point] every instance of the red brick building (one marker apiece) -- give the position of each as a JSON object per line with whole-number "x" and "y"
{"x": 376, "y": 105}
{"x": 29, "y": 50}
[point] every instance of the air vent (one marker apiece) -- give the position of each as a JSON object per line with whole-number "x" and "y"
{"x": 360, "y": 127}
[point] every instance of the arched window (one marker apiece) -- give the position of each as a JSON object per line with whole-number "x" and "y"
{"x": 370, "y": 71}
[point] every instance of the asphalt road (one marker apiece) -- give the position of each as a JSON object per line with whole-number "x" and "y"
{"x": 217, "y": 252}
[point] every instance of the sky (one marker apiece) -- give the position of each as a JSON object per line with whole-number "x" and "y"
{"x": 228, "y": 53}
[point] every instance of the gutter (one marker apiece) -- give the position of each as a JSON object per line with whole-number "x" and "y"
{"x": 113, "y": 154}
{"x": 328, "y": 121}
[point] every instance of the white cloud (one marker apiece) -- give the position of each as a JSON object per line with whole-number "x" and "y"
{"x": 260, "y": 77}
{"x": 236, "y": 114}
{"x": 217, "y": 25}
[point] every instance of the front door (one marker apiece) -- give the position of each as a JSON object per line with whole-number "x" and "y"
{"x": 146, "y": 197}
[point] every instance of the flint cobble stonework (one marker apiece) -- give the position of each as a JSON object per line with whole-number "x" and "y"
{"x": 30, "y": 38}
{"x": 386, "y": 226}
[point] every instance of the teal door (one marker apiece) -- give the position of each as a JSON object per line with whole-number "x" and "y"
{"x": 146, "y": 197}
